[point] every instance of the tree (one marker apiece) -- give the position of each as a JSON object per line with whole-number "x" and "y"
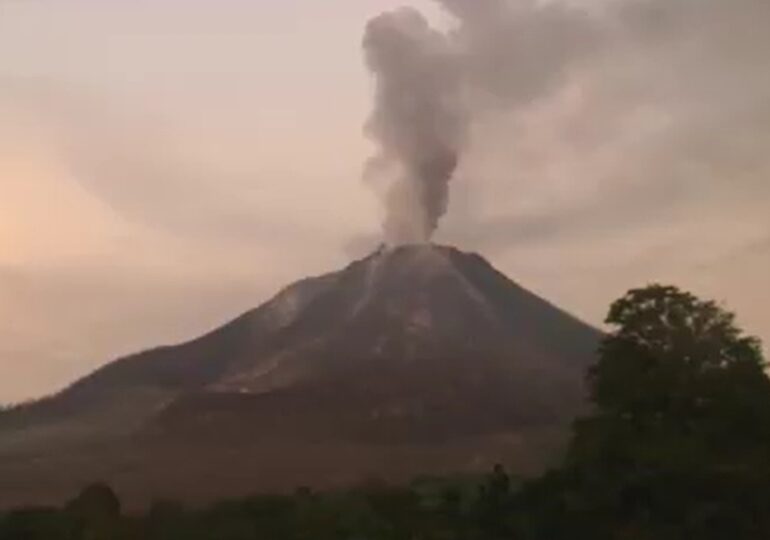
{"x": 97, "y": 511}
{"x": 493, "y": 503}
{"x": 678, "y": 367}
{"x": 678, "y": 441}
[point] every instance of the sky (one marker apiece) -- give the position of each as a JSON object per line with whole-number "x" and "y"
{"x": 166, "y": 165}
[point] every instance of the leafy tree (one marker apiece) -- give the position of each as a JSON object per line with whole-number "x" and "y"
{"x": 678, "y": 443}
{"x": 493, "y": 504}
{"x": 97, "y": 511}
{"x": 677, "y": 368}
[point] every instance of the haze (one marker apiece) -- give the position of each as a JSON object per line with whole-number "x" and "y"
{"x": 166, "y": 165}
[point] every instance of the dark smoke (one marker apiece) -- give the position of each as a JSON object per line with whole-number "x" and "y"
{"x": 418, "y": 120}
{"x": 668, "y": 82}
{"x": 428, "y": 82}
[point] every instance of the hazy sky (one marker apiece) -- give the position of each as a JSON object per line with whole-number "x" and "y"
{"x": 168, "y": 164}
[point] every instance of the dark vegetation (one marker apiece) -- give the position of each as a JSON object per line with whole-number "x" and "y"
{"x": 677, "y": 446}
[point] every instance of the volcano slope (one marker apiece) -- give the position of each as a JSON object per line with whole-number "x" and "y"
{"x": 414, "y": 360}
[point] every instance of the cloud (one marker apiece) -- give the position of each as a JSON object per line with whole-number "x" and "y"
{"x": 593, "y": 119}
{"x": 617, "y": 143}
{"x": 148, "y": 172}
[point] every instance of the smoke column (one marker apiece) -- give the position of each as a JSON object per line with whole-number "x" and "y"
{"x": 429, "y": 84}
{"x": 590, "y": 84}
{"x": 418, "y": 121}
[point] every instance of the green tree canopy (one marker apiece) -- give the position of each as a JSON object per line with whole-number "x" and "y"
{"x": 678, "y": 442}
{"x": 666, "y": 343}
{"x": 677, "y": 366}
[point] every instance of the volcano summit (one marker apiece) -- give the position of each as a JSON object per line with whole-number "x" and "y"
{"x": 416, "y": 359}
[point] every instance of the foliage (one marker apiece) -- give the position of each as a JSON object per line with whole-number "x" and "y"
{"x": 677, "y": 385}
{"x": 678, "y": 443}
{"x": 371, "y": 512}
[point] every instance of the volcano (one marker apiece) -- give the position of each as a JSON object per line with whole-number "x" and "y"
{"x": 416, "y": 359}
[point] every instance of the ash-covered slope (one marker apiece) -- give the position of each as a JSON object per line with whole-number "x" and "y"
{"x": 420, "y": 346}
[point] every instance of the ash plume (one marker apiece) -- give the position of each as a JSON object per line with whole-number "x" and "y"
{"x": 429, "y": 84}
{"x": 418, "y": 120}
{"x": 593, "y": 109}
